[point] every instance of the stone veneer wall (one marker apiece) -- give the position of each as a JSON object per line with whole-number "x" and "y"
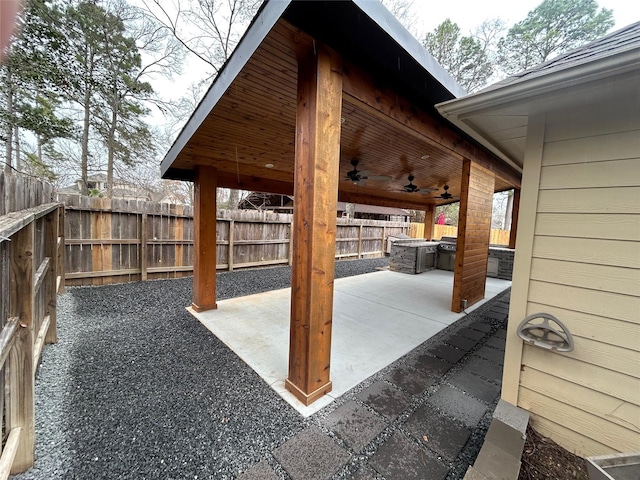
{"x": 505, "y": 255}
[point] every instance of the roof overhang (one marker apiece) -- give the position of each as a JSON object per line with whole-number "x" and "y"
{"x": 498, "y": 116}
{"x": 245, "y": 124}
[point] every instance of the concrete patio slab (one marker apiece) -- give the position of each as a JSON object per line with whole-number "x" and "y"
{"x": 378, "y": 318}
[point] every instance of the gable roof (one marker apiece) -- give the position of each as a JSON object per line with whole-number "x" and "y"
{"x": 245, "y": 125}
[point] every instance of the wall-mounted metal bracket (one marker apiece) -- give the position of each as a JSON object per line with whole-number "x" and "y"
{"x": 545, "y": 335}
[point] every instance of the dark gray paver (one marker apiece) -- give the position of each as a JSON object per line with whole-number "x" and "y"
{"x": 492, "y": 354}
{"x": 430, "y": 364}
{"x": 365, "y": 473}
{"x": 411, "y": 380}
{"x": 385, "y": 399}
{"x": 354, "y": 424}
{"x": 458, "y": 405}
{"x": 485, "y": 369}
{"x": 447, "y": 353}
{"x": 475, "y": 386}
{"x": 311, "y": 455}
{"x": 402, "y": 459}
{"x": 495, "y": 315}
{"x": 496, "y": 342}
{"x": 464, "y": 344}
{"x": 475, "y": 331}
{"x": 501, "y": 333}
{"x": 500, "y": 308}
{"x": 441, "y": 434}
{"x": 260, "y": 471}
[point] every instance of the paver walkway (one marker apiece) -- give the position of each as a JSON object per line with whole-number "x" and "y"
{"x": 423, "y": 417}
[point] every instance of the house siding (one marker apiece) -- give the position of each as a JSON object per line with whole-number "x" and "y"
{"x": 584, "y": 268}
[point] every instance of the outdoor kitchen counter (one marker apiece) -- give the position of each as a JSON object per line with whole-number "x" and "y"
{"x": 413, "y": 256}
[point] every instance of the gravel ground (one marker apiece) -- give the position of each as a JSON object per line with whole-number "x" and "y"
{"x": 137, "y": 389}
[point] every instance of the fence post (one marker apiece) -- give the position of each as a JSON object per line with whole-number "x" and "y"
{"x": 61, "y": 250}
{"x": 21, "y": 367}
{"x": 360, "y": 242}
{"x": 232, "y": 226}
{"x": 291, "y": 240}
{"x": 143, "y": 247}
{"x": 384, "y": 234}
{"x": 51, "y": 250}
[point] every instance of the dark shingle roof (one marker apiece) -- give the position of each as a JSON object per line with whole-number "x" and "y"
{"x": 627, "y": 38}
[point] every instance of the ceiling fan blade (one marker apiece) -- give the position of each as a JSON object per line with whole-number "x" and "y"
{"x": 379, "y": 178}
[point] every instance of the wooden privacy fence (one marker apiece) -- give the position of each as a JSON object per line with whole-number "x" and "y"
{"x": 416, "y": 230}
{"x": 113, "y": 241}
{"x": 32, "y": 253}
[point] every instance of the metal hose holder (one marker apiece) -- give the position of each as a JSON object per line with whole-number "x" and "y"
{"x": 545, "y": 331}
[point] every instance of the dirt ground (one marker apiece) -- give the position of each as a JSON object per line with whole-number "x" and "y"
{"x": 543, "y": 459}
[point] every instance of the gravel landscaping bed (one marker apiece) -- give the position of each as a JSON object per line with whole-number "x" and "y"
{"x": 137, "y": 388}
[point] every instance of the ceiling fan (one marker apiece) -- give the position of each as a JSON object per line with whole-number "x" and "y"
{"x": 412, "y": 188}
{"x": 359, "y": 177}
{"x": 446, "y": 195}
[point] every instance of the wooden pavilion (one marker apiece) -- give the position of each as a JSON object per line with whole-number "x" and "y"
{"x": 311, "y": 87}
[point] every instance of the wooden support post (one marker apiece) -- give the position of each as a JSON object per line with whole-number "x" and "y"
{"x": 474, "y": 231}
{"x": 204, "y": 239}
{"x": 360, "y": 242}
{"x": 429, "y": 220}
{"x": 514, "y": 218}
{"x": 316, "y": 194}
{"x": 232, "y": 226}
{"x": 384, "y": 234}
{"x": 143, "y": 247}
{"x": 21, "y": 367}
{"x": 52, "y": 223}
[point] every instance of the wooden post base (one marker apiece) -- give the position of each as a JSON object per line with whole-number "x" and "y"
{"x": 203, "y": 308}
{"x": 308, "y": 398}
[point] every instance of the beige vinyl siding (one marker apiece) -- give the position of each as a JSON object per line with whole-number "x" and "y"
{"x": 585, "y": 269}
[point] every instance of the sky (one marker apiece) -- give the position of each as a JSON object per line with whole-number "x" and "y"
{"x": 468, "y": 14}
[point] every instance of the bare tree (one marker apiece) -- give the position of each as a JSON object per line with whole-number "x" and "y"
{"x": 208, "y": 29}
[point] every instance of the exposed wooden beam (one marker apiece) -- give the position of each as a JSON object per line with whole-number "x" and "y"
{"x": 316, "y": 194}
{"x": 474, "y": 231}
{"x": 255, "y": 184}
{"x": 361, "y": 90}
{"x": 204, "y": 239}
{"x": 415, "y": 202}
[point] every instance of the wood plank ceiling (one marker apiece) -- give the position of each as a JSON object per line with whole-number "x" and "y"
{"x": 249, "y": 137}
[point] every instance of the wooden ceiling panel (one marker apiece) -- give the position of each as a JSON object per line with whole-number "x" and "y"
{"x": 253, "y": 125}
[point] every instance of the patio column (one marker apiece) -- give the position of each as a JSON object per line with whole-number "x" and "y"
{"x": 314, "y": 223}
{"x": 204, "y": 239}
{"x": 429, "y": 219}
{"x": 515, "y": 210}
{"x": 474, "y": 231}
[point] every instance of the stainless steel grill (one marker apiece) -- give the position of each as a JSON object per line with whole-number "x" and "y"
{"x": 447, "y": 253}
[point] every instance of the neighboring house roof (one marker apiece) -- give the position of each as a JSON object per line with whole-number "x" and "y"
{"x": 498, "y": 116}
{"x": 373, "y": 209}
{"x": 273, "y": 201}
